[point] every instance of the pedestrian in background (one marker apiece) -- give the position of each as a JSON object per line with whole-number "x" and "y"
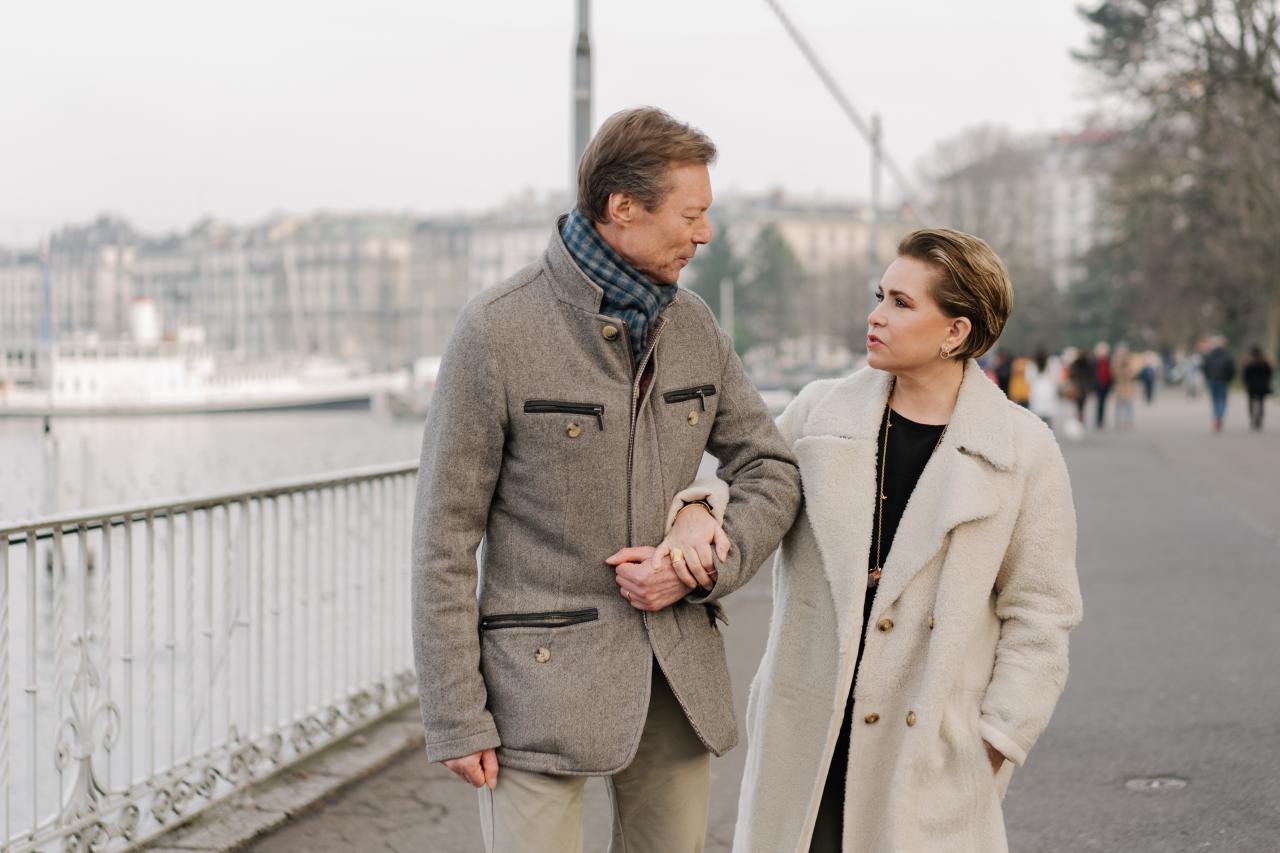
{"x": 1192, "y": 371}
{"x": 1219, "y": 369}
{"x": 1004, "y": 371}
{"x": 1147, "y": 376}
{"x": 1124, "y": 370}
{"x": 1044, "y": 375}
{"x": 1102, "y": 380}
{"x": 1082, "y": 379}
{"x": 1019, "y": 383}
{"x": 1257, "y": 382}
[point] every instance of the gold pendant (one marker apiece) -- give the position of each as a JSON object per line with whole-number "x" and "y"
{"x": 873, "y": 579}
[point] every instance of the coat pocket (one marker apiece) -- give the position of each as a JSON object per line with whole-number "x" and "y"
{"x": 542, "y": 682}
{"x": 546, "y": 619}
{"x": 550, "y": 407}
{"x": 696, "y": 392}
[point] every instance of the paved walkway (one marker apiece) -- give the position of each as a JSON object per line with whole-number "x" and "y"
{"x": 1174, "y": 671}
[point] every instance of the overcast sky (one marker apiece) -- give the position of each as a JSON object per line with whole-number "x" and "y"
{"x": 170, "y": 110}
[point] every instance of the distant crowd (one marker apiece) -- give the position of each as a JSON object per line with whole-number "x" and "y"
{"x": 1044, "y": 382}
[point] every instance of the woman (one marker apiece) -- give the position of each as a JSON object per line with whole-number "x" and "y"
{"x": 893, "y": 701}
{"x": 1045, "y": 380}
{"x": 1257, "y": 382}
{"x": 1124, "y": 371}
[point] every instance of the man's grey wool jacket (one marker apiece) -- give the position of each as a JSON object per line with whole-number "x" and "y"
{"x": 529, "y": 445}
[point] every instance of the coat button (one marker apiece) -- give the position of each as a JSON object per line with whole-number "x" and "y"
{"x": 693, "y": 419}
{"x": 609, "y": 333}
{"x": 873, "y": 717}
{"x": 542, "y": 655}
{"x": 885, "y": 624}
{"x": 911, "y": 718}
{"x": 573, "y": 430}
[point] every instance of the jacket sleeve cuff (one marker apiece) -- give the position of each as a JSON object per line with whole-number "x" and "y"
{"x": 711, "y": 489}
{"x": 994, "y": 733}
{"x": 443, "y": 750}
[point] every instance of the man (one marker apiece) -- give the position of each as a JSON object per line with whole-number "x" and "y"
{"x": 573, "y": 404}
{"x": 1219, "y": 369}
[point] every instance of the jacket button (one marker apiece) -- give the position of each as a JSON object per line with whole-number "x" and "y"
{"x": 873, "y": 717}
{"x": 542, "y": 655}
{"x": 609, "y": 333}
{"x": 930, "y": 621}
{"x": 693, "y": 419}
{"x": 911, "y": 718}
{"x": 573, "y": 430}
{"x": 885, "y": 624}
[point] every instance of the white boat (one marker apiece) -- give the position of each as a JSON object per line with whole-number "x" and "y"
{"x": 126, "y": 378}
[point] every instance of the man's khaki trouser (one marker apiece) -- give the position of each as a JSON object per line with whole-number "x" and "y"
{"x": 660, "y": 800}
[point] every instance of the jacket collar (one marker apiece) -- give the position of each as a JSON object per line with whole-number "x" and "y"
{"x": 569, "y": 283}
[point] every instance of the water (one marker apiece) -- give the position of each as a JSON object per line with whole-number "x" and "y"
{"x": 107, "y": 462}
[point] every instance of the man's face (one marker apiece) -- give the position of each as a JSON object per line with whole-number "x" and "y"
{"x": 660, "y": 243}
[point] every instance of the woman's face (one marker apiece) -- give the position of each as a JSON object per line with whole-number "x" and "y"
{"x": 908, "y": 330}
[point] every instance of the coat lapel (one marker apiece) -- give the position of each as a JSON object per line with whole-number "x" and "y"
{"x": 955, "y": 487}
{"x": 837, "y": 455}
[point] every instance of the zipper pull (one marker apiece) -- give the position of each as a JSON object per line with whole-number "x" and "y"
{"x": 702, "y": 398}
{"x": 599, "y": 411}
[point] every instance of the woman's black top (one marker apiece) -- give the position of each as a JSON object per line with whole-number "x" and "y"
{"x": 910, "y": 447}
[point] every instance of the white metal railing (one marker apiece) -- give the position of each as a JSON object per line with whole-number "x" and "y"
{"x": 156, "y": 659}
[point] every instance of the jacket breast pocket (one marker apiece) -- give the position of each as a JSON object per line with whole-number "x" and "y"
{"x": 555, "y": 433}
{"x": 695, "y": 406}
{"x": 579, "y": 413}
{"x": 694, "y": 392}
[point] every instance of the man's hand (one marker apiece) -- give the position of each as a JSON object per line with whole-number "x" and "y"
{"x": 479, "y": 768}
{"x": 648, "y": 583}
{"x": 995, "y": 756}
{"x": 689, "y": 543}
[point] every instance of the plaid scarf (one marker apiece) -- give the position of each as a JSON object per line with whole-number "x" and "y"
{"x": 628, "y": 295}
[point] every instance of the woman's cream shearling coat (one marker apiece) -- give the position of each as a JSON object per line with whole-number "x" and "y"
{"x": 967, "y": 640}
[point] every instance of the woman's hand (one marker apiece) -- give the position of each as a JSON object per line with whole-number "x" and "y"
{"x": 995, "y": 756}
{"x": 689, "y": 544}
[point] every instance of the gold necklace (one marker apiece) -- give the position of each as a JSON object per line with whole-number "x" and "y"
{"x": 873, "y": 575}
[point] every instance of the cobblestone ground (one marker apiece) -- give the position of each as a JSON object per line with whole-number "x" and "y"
{"x": 1173, "y": 671}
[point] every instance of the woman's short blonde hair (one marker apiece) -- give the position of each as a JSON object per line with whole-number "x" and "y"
{"x": 971, "y": 282}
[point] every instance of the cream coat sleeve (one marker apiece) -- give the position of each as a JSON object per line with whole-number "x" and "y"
{"x": 1038, "y": 603}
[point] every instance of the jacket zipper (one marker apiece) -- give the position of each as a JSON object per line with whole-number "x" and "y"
{"x": 631, "y": 451}
{"x": 550, "y": 619}
{"x": 542, "y": 407}
{"x": 635, "y": 400}
{"x": 700, "y": 393}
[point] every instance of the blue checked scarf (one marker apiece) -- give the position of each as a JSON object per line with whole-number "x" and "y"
{"x": 628, "y": 295}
